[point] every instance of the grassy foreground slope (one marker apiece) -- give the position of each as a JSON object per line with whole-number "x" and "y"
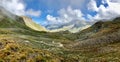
{"x": 14, "y": 50}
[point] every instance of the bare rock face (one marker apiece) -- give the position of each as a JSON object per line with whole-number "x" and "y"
{"x": 29, "y": 22}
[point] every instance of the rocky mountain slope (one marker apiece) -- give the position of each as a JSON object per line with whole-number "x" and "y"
{"x": 100, "y": 33}
{"x": 28, "y": 21}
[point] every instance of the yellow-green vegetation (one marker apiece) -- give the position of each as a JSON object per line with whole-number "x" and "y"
{"x": 13, "y": 51}
{"x": 106, "y": 53}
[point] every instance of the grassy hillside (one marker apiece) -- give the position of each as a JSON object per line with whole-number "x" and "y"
{"x": 20, "y": 43}
{"x": 99, "y": 29}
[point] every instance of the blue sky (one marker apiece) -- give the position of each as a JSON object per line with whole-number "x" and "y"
{"x": 53, "y": 6}
{"x": 64, "y": 14}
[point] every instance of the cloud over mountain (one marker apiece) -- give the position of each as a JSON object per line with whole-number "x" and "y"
{"x": 18, "y": 7}
{"x": 108, "y": 9}
{"x": 68, "y": 19}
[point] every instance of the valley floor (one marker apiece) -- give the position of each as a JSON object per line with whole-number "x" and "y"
{"x": 19, "y": 50}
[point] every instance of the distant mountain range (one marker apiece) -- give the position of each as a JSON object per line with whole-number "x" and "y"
{"x": 22, "y": 40}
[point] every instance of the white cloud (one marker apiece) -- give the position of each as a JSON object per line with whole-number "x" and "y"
{"x": 14, "y": 6}
{"x": 66, "y": 16}
{"x": 110, "y": 12}
{"x": 115, "y": 1}
{"x": 68, "y": 19}
{"x": 18, "y": 7}
{"x": 74, "y": 17}
{"x": 64, "y": 3}
{"x": 32, "y": 12}
{"x": 92, "y": 5}
{"x": 51, "y": 18}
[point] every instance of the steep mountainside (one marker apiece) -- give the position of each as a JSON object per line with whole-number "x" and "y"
{"x": 102, "y": 28}
{"x": 99, "y": 33}
{"x": 9, "y": 20}
{"x": 28, "y": 21}
{"x": 15, "y": 21}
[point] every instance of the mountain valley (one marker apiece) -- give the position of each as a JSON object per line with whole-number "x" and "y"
{"x": 22, "y": 40}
